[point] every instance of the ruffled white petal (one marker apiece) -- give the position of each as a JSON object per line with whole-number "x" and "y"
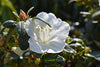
{"x": 29, "y": 27}
{"x": 43, "y": 15}
{"x": 50, "y": 18}
{"x": 53, "y": 47}
{"x": 62, "y": 32}
{"x": 34, "y": 46}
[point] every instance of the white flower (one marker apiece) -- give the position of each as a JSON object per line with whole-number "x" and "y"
{"x": 44, "y": 38}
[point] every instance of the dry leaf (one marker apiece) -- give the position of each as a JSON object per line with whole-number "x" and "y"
{"x": 97, "y": 43}
{"x": 2, "y": 41}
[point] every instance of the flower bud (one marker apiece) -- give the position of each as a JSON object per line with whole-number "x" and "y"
{"x": 22, "y": 15}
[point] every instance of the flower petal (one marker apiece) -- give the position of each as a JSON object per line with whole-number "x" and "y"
{"x": 34, "y": 46}
{"x": 52, "y": 20}
{"x": 49, "y": 18}
{"x": 29, "y": 27}
{"x": 53, "y": 47}
{"x": 42, "y": 15}
{"x": 62, "y": 31}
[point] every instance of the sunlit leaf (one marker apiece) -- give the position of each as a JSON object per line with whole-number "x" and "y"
{"x": 70, "y": 1}
{"x": 20, "y": 28}
{"x": 75, "y": 44}
{"x": 27, "y": 53}
{"x": 60, "y": 60}
{"x": 30, "y": 10}
{"x": 69, "y": 49}
{"x": 96, "y": 14}
{"x": 77, "y": 39}
{"x": 15, "y": 14}
{"x": 17, "y": 50}
{"x": 9, "y": 23}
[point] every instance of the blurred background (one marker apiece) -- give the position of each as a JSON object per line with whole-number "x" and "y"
{"x": 82, "y": 15}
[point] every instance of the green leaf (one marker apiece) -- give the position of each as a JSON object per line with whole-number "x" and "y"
{"x": 15, "y": 14}
{"x": 23, "y": 37}
{"x": 17, "y": 51}
{"x": 9, "y": 23}
{"x": 96, "y": 55}
{"x": 71, "y": 1}
{"x": 77, "y": 39}
{"x": 20, "y": 28}
{"x": 96, "y": 14}
{"x": 36, "y": 55}
{"x": 30, "y": 10}
{"x": 60, "y": 60}
{"x": 23, "y": 41}
{"x": 75, "y": 45}
{"x": 2, "y": 30}
{"x": 69, "y": 49}
{"x": 49, "y": 56}
{"x": 13, "y": 56}
{"x": 89, "y": 26}
{"x": 27, "y": 53}
{"x": 8, "y": 4}
{"x": 6, "y": 9}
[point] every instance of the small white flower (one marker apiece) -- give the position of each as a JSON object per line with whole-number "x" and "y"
{"x": 44, "y": 38}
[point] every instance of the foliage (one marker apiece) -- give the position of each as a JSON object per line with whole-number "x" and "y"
{"x": 84, "y": 38}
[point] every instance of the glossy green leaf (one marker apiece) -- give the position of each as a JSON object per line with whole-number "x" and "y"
{"x": 9, "y": 24}
{"x": 20, "y": 28}
{"x": 23, "y": 41}
{"x": 60, "y": 60}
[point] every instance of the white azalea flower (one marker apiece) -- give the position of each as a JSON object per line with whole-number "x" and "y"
{"x": 45, "y": 38}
